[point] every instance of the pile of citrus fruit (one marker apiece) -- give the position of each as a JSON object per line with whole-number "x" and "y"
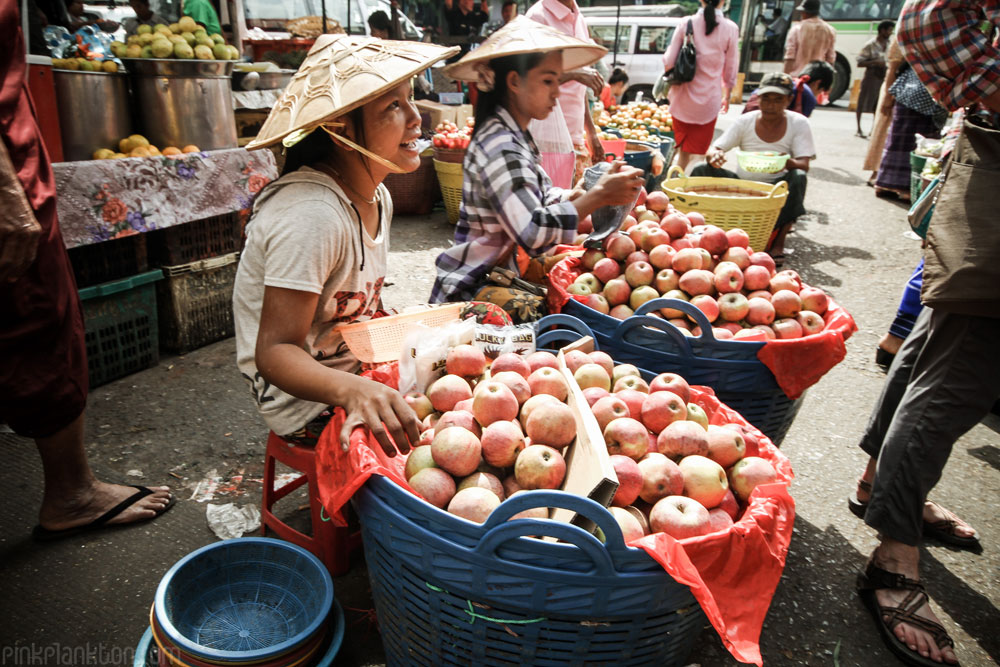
{"x": 137, "y": 145}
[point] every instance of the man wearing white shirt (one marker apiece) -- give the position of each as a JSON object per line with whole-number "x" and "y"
{"x": 772, "y": 128}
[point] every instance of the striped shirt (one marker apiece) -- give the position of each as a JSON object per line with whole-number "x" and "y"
{"x": 944, "y": 42}
{"x": 507, "y": 201}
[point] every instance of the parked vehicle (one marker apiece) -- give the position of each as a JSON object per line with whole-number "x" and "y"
{"x": 644, "y": 33}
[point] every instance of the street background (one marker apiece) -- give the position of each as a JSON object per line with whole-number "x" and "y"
{"x": 191, "y": 417}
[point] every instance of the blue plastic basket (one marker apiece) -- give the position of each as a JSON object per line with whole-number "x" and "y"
{"x": 243, "y": 600}
{"x": 730, "y": 368}
{"x": 449, "y": 591}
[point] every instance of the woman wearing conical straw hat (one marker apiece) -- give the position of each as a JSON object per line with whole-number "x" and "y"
{"x": 509, "y": 205}
{"x": 317, "y": 242}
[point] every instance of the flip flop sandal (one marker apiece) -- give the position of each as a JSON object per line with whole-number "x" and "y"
{"x": 875, "y": 578}
{"x": 779, "y": 260}
{"x": 942, "y": 531}
{"x": 41, "y": 534}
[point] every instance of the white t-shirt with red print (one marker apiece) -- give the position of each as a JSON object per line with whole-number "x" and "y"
{"x": 305, "y": 235}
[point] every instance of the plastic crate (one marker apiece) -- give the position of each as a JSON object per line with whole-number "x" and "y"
{"x": 414, "y": 193}
{"x": 196, "y": 303}
{"x": 380, "y": 339}
{"x": 111, "y": 260}
{"x": 198, "y": 239}
{"x": 448, "y": 591}
{"x": 121, "y": 327}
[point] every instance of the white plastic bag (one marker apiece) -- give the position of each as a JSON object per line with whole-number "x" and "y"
{"x": 425, "y": 351}
{"x": 496, "y": 340}
{"x": 556, "y": 146}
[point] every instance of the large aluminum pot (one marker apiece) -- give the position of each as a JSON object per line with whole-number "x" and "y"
{"x": 183, "y": 102}
{"x": 93, "y": 111}
{"x": 273, "y": 80}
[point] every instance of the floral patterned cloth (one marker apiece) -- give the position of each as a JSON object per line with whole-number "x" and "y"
{"x": 100, "y": 200}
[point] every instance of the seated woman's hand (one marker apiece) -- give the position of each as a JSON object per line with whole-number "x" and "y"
{"x": 716, "y": 157}
{"x": 620, "y": 185}
{"x": 384, "y": 412}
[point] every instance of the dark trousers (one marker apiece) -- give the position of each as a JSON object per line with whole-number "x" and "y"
{"x": 794, "y": 204}
{"x": 942, "y": 382}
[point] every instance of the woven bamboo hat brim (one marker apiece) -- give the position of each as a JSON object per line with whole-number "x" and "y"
{"x": 341, "y": 73}
{"x": 524, "y": 35}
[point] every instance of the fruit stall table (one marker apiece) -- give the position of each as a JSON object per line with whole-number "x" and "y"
{"x": 99, "y": 200}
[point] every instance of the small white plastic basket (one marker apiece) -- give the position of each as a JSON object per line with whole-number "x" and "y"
{"x": 761, "y": 163}
{"x": 380, "y": 340}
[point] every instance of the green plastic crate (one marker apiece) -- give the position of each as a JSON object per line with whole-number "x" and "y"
{"x": 121, "y": 325}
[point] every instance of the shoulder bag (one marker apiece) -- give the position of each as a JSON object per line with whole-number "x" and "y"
{"x": 683, "y": 70}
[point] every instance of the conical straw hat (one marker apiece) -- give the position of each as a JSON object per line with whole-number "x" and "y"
{"x": 524, "y": 35}
{"x": 341, "y": 73}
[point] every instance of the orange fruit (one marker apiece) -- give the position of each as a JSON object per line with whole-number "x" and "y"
{"x": 171, "y": 150}
{"x": 191, "y": 148}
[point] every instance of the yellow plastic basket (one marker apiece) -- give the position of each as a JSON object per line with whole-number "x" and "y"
{"x": 381, "y": 340}
{"x": 450, "y": 177}
{"x": 729, "y": 203}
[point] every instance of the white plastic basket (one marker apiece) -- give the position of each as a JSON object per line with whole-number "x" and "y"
{"x": 761, "y": 163}
{"x": 380, "y": 340}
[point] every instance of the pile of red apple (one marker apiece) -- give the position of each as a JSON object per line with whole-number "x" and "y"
{"x": 677, "y": 473}
{"x": 661, "y": 252}
{"x": 489, "y": 436}
{"x": 448, "y": 135}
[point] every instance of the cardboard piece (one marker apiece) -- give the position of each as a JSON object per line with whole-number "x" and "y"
{"x": 435, "y": 113}
{"x": 589, "y": 471}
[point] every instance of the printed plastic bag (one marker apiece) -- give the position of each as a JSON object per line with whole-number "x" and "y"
{"x": 425, "y": 350}
{"x": 556, "y": 146}
{"x": 494, "y": 340}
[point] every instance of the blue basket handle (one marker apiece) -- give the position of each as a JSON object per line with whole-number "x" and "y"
{"x": 499, "y": 528}
{"x": 677, "y": 304}
{"x": 544, "y": 341}
{"x": 565, "y": 322}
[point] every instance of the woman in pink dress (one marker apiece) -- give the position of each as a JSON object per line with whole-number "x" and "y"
{"x": 695, "y": 105}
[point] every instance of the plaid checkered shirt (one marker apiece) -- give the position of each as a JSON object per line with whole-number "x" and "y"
{"x": 507, "y": 201}
{"x": 945, "y": 43}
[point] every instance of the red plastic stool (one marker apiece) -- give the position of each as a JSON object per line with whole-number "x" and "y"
{"x": 331, "y": 544}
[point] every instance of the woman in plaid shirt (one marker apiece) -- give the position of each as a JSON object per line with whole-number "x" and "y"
{"x": 509, "y": 204}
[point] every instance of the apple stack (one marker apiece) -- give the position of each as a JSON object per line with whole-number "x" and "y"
{"x": 485, "y": 437}
{"x": 677, "y": 473}
{"x": 661, "y": 252}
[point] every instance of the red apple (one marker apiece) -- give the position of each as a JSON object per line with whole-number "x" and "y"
{"x": 766, "y": 330}
{"x": 456, "y": 450}
{"x": 593, "y": 394}
{"x": 460, "y": 418}
{"x": 626, "y": 436}
{"x": 591, "y": 256}
{"x": 621, "y": 370}
{"x": 604, "y": 360}
{"x": 617, "y": 291}
{"x": 783, "y": 282}
{"x": 661, "y": 408}
{"x": 637, "y": 256}
{"x": 589, "y": 281}
{"x": 810, "y": 322}
{"x": 419, "y": 458}
{"x": 787, "y": 328}
{"x": 661, "y": 477}
{"x": 474, "y": 504}
{"x": 814, "y": 299}
{"x": 682, "y": 243}
{"x": 679, "y": 517}
{"x": 759, "y": 311}
{"x": 537, "y": 360}
{"x": 698, "y": 281}
{"x": 517, "y": 384}
{"x": 713, "y": 240}
{"x": 608, "y": 409}
{"x": 448, "y": 390}
{"x": 592, "y": 375}
{"x": 682, "y": 438}
{"x": 597, "y": 302}
{"x": 730, "y": 505}
{"x": 675, "y": 224}
{"x": 483, "y": 480}
{"x": 666, "y": 280}
{"x": 641, "y": 295}
{"x": 657, "y": 201}
{"x": 728, "y": 277}
{"x": 533, "y": 402}
{"x": 719, "y": 519}
{"x": 533, "y": 513}
{"x": 662, "y": 256}
{"x": 420, "y": 404}
{"x": 548, "y": 381}
{"x": 628, "y": 523}
{"x": 737, "y": 238}
{"x": 631, "y": 382}
{"x": 494, "y": 402}
{"x": 725, "y": 446}
{"x": 629, "y": 480}
{"x": 434, "y": 485}
{"x": 621, "y": 312}
{"x": 620, "y": 247}
{"x": 639, "y": 273}
{"x": 426, "y": 437}
{"x": 738, "y": 256}
{"x": 510, "y": 487}
{"x": 765, "y": 260}
{"x": 607, "y": 270}
{"x": 501, "y": 442}
{"x": 633, "y": 399}
{"x": 575, "y": 359}
{"x": 786, "y": 303}
{"x": 749, "y": 473}
{"x": 697, "y": 414}
{"x": 733, "y": 307}
{"x": 510, "y": 362}
{"x": 539, "y": 467}
{"x": 696, "y": 219}
{"x": 673, "y": 383}
{"x": 756, "y": 277}
{"x": 655, "y": 238}
{"x": 707, "y": 305}
{"x": 704, "y": 480}
{"x": 585, "y": 225}
{"x": 686, "y": 259}
{"x": 551, "y": 424}
{"x": 760, "y": 294}
{"x": 466, "y": 361}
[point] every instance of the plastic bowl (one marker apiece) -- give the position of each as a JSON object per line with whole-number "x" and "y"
{"x": 761, "y": 163}
{"x": 243, "y": 600}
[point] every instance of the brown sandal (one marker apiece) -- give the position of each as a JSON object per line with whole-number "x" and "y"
{"x": 888, "y": 617}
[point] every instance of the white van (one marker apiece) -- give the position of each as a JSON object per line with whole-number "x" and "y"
{"x": 644, "y": 33}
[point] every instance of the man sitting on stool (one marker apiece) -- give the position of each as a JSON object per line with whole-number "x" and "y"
{"x": 772, "y": 128}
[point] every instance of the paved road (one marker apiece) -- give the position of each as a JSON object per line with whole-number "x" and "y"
{"x": 191, "y": 416}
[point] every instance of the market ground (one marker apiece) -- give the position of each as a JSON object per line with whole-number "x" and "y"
{"x": 190, "y": 418}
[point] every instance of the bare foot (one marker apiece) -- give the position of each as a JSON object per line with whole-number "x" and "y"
{"x": 60, "y": 514}
{"x": 916, "y": 638}
{"x": 890, "y": 343}
{"x": 932, "y": 511}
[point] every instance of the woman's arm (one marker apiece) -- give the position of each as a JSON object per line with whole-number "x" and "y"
{"x": 281, "y": 359}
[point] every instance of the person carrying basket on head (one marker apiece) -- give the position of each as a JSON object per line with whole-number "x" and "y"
{"x": 510, "y": 209}
{"x": 317, "y": 242}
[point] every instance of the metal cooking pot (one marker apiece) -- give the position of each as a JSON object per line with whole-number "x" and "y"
{"x": 274, "y": 80}
{"x": 182, "y": 102}
{"x": 93, "y": 111}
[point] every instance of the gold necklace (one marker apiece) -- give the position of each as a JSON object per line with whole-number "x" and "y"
{"x": 343, "y": 183}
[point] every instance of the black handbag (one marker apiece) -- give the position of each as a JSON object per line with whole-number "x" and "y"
{"x": 684, "y": 67}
